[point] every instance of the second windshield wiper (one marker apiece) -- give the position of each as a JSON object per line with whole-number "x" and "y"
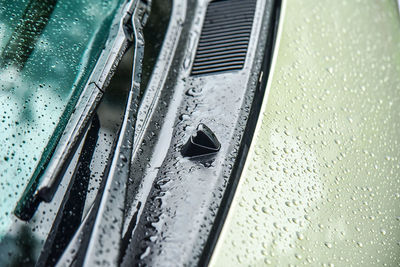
{"x": 107, "y": 228}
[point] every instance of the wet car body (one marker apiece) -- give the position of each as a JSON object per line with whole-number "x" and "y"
{"x": 171, "y": 177}
{"x": 321, "y": 182}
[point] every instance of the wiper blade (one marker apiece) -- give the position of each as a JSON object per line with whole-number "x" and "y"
{"x": 43, "y": 189}
{"x": 107, "y": 230}
{"x": 102, "y": 227}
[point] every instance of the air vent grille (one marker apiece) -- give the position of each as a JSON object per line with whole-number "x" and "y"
{"x": 225, "y": 36}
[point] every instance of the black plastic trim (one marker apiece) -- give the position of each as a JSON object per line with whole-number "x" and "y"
{"x": 245, "y": 145}
{"x": 227, "y": 26}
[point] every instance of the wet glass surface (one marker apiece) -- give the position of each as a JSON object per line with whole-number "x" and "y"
{"x": 48, "y": 49}
{"x": 29, "y": 242}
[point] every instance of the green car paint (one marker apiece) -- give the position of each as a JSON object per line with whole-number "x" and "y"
{"x": 321, "y": 184}
{"x": 47, "y": 51}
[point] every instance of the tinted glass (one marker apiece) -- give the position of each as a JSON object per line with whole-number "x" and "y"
{"x": 47, "y": 51}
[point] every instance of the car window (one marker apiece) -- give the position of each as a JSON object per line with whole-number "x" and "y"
{"x": 47, "y": 51}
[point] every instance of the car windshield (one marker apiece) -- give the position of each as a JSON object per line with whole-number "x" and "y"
{"x": 48, "y": 49}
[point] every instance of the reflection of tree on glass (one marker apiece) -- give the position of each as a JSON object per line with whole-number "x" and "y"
{"x": 20, "y": 248}
{"x": 48, "y": 49}
{"x": 27, "y": 32}
{"x": 23, "y": 40}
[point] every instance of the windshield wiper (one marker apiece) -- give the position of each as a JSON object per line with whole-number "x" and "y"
{"x": 107, "y": 232}
{"x": 43, "y": 189}
{"x": 102, "y": 227}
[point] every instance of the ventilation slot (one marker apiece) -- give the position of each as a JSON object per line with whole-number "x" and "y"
{"x": 225, "y": 36}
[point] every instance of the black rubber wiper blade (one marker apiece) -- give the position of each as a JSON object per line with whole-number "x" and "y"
{"x": 107, "y": 216}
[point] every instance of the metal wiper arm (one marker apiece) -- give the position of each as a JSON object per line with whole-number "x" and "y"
{"x": 120, "y": 38}
{"x": 104, "y": 238}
